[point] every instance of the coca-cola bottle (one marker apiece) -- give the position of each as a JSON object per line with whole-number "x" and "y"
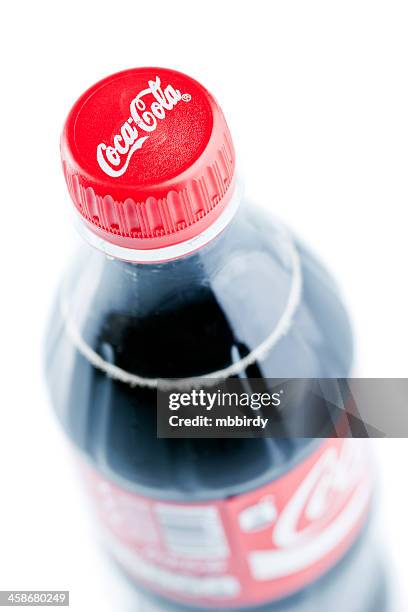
{"x": 180, "y": 278}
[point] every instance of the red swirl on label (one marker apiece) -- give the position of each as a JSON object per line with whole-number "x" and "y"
{"x": 245, "y": 550}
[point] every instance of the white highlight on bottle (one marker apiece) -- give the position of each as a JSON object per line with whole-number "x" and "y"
{"x": 258, "y": 354}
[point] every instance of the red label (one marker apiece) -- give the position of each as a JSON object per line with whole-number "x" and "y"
{"x": 247, "y": 549}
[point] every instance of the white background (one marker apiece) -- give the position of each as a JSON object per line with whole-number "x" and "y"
{"x": 317, "y": 100}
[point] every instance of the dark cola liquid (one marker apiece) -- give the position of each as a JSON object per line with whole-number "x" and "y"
{"x": 190, "y": 317}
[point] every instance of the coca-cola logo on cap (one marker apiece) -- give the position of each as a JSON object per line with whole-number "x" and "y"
{"x": 146, "y": 110}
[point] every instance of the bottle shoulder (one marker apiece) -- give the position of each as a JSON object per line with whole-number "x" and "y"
{"x": 190, "y": 315}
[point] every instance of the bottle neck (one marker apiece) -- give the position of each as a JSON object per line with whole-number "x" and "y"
{"x": 168, "y": 253}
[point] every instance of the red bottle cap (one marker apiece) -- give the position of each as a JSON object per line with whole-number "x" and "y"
{"x": 148, "y": 158}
